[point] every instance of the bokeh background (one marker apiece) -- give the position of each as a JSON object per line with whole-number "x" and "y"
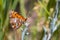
{"x": 40, "y": 14}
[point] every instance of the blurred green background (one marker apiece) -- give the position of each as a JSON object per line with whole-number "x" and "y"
{"x": 38, "y": 11}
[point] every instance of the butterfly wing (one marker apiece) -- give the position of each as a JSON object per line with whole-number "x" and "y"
{"x": 16, "y": 20}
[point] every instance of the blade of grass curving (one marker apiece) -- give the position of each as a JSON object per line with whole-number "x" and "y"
{"x": 7, "y": 14}
{"x": 22, "y": 8}
{"x": 14, "y": 4}
{"x": 43, "y": 7}
{"x": 1, "y": 9}
{"x": 1, "y": 20}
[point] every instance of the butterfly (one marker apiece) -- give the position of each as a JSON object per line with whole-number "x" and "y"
{"x": 16, "y": 20}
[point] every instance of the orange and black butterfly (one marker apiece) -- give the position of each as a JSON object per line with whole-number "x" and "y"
{"x": 16, "y": 20}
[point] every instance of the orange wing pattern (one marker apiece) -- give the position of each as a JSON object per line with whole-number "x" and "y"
{"x": 16, "y": 20}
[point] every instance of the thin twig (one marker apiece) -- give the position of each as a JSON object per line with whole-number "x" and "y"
{"x": 25, "y": 30}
